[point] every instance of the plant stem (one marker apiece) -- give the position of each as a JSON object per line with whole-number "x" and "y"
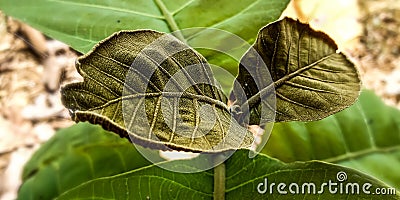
{"x": 219, "y": 180}
{"x": 170, "y": 20}
{"x": 255, "y": 99}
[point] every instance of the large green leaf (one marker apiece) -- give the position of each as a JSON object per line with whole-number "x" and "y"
{"x": 75, "y": 155}
{"x": 243, "y": 177}
{"x": 365, "y": 136}
{"x": 167, "y": 98}
{"x": 311, "y": 79}
{"x": 83, "y": 23}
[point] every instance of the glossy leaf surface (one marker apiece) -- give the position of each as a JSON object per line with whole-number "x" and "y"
{"x": 73, "y": 156}
{"x": 365, "y": 136}
{"x": 243, "y": 177}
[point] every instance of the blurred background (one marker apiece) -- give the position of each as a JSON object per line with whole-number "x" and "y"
{"x": 32, "y": 68}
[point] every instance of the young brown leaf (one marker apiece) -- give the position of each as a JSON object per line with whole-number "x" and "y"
{"x": 152, "y": 88}
{"x": 311, "y": 79}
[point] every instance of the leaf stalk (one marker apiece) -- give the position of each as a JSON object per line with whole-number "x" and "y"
{"x": 170, "y": 21}
{"x": 219, "y": 179}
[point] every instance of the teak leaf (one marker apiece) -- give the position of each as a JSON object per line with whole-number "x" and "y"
{"x": 75, "y": 155}
{"x": 365, "y": 136}
{"x": 90, "y": 21}
{"x": 152, "y": 88}
{"x": 311, "y": 79}
{"x": 259, "y": 178}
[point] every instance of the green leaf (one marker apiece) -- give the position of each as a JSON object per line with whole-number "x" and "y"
{"x": 243, "y": 177}
{"x": 365, "y": 136}
{"x": 311, "y": 79}
{"x": 73, "y": 156}
{"x": 167, "y": 98}
{"x": 82, "y": 24}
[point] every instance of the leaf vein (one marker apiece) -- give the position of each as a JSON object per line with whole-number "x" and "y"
{"x": 155, "y": 115}
{"x": 309, "y": 88}
{"x": 182, "y": 7}
{"x": 108, "y": 8}
{"x": 295, "y": 102}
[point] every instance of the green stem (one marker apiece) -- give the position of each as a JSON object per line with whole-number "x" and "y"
{"x": 170, "y": 20}
{"x": 255, "y": 99}
{"x": 219, "y": 180}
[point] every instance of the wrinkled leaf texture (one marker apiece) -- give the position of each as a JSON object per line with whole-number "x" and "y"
{"x": 195, "y": 116}
{"x": 82, "y": 24}
{"x": 311, "y": 80}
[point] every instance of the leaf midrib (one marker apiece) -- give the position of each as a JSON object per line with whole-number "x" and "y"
{"x": 130, "y": 174}
{"x": 167, "y": 15}
{"x": 361, "y": 153}
{"x": 108, "y": 8}
{"x": 289, "y": 76}
{"x": 170, "y": 20}
{"x": 165, "y": 95}
{"x": 255, "y": 99}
